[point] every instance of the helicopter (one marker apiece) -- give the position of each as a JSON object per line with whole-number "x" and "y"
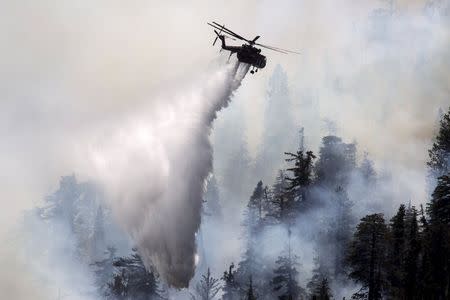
{"x": 247, "y": 53}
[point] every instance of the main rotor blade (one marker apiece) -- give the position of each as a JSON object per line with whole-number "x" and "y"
{"x": 254, "y": 40}
{"x": 277, "y": 49}
{"x": 225, "y": 30}
{"x": 223, "y": 34}
{"x": 273, "y": 49}
{"x": 218, "y": 26}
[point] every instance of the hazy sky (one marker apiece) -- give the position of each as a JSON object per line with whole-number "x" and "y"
{"x": 68, "y": 68}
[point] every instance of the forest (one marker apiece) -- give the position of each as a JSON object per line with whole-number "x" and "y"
{"x": 139, "y": 163}
{"x": 406, "y": 256}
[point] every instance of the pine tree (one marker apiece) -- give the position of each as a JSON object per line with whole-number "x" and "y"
{"x": 98, "y": 236}
{"x": 439, "y": 208}
{"x": 284, "y": 282}
{"x": 231, "y": 289}
{"x": 322, "y": 291}
{"x": 335, "y": 163}
{"x": 413, "y": 248}
{"x": 319, "y": 285}
{"x": 133, "y": 280}
{"x": 397, "y": 251}
{"x": 341, "y": 230}
{"x": 257, "y": 201}
{"x": 367, "y": 257}
{"x": 253, "y": 263}
{"x": 367, "y": 170}
{"x": 437, "y": 242}
{"x": 301, "y": 173}
{"x": 208, "y": 287}
{"x": 250, "y": 292}
{"x": 283, "y": 206}
{"x": 439, "y": 154}
{"x": 104, "y": 270}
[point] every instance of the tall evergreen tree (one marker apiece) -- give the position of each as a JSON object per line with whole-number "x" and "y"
{"x": 133, "y": 280}
{"x": 231, "y": 289}
{"x": 413, "y": 249}
{"x": 282, "y": 203}
{"x": 341, "y": 231}
{"x": 253, "y": 264}
{"x": 208, "y": 287}
{"x": 367, "y": 257}
{"x": 367, "y": 170}
{"x": 437, "y": 244}
{"x": 301, "y": 173}
{"x": 284, "y": 282}
{"x": 336, "y": 161}
{"x": 104, "y": 271}
{"x": 319, "y": 285}
{"x": 250, "y": 293}
{"x": 257, "y": 200}
{"x": 439, "y": 154}
{"x": 397, "y": 251}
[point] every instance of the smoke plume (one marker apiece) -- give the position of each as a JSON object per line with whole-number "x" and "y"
{"x": 154, "y": 166}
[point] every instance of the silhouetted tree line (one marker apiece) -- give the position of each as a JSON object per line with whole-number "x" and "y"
{"x": 406, "y": 257}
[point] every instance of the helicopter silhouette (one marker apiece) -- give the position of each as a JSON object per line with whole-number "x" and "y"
{"x": 247, "y": 53}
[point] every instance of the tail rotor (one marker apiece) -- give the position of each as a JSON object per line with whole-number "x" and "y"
{"x": 218, "y": 34}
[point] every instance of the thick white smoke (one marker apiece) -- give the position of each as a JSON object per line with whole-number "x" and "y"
{"x": 154, "y": 164}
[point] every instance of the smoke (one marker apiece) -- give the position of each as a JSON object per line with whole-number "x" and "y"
{"x": 72, "y": 69}
{"x": 154, "y": 165}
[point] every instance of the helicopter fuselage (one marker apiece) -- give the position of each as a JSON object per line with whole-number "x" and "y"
{"x": 247, "y": 54}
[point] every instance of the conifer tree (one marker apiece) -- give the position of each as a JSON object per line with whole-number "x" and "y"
{"x": 253, "y": 263}
{"x": 282, "y": 203}
{"x": 319, "y": 285}
{"x": 412, "y": 254}
{"x": 397, "y": 250}
{"x": 367, "y": 257}
{"x": 133, "y": 280}
{"x": 250, "y": 292}
{"x": 104, "y": 270}
{"x": 208, "y": 287}
{"x": 257, "y": 200}
{"x": 301, "y": 173}
{"x": 284, "y": 282}
{"x": 336, "y": 161}
{"x": 231, "y": 290}
{"x": 437, "y": 242}
{"x": 341, "y": 230}
{"x": 439, "y": 154}
{"x": 367, "y": 170}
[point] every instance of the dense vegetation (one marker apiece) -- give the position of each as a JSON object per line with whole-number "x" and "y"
{"x": 404, "y": 257}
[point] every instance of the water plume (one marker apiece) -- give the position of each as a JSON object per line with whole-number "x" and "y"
{"x": 154, "y": 166}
